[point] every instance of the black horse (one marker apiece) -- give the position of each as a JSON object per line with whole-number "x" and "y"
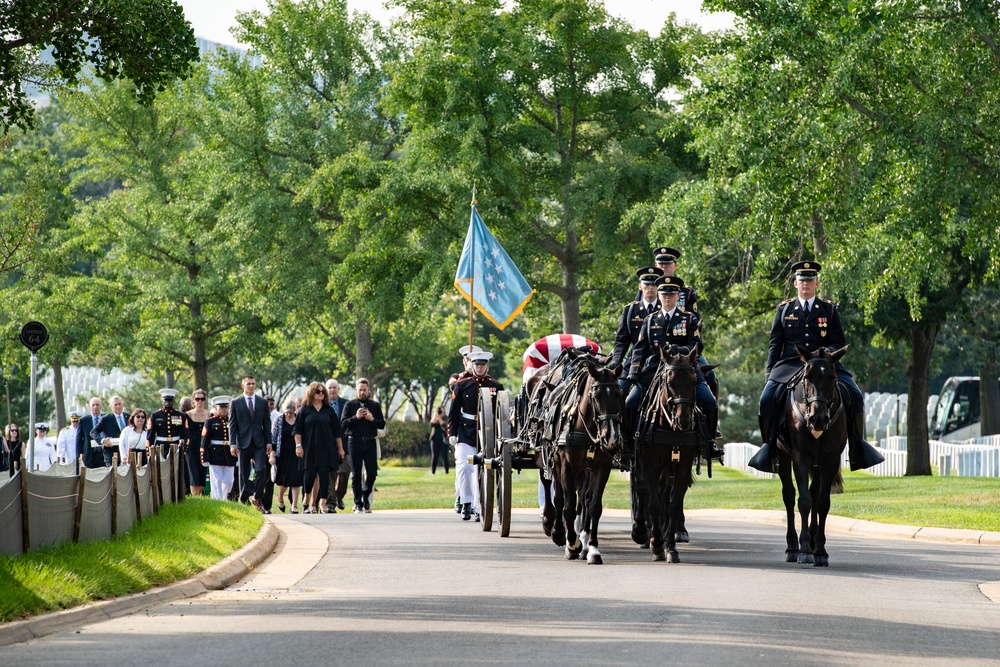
{"x": 670, "y": 434}
{"x": 811, "y": 449}
{"x": 584, "y": 408}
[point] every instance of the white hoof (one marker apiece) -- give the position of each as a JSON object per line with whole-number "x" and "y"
{"x": 594, "y": 557}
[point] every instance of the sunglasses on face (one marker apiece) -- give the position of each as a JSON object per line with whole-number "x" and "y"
{"x": 199, "y": 398}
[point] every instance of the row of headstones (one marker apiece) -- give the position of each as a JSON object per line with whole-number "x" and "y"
{"x": 978, "y": 458}
{"x": 882, "y": 409}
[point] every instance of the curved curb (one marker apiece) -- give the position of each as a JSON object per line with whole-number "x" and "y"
{"x": 230, "y": 569}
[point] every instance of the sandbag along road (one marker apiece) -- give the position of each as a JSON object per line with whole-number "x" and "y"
{"x": 425, "y": 588}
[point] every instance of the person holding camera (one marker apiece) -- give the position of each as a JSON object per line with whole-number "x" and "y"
{"x": 361, "y": 420}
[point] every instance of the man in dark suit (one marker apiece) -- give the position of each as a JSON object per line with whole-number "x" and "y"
{"x": 250, "y": 440}
{"x": 89, "y": 453}
{"x": 109, "y": 429}
{"x": 340, "y": 476}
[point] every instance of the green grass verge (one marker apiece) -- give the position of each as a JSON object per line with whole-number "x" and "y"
{"x": 946, "y": 502}
{"x": 182, "y": 540}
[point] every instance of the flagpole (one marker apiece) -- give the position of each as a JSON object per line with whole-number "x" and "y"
{"x": 472, "y": 275}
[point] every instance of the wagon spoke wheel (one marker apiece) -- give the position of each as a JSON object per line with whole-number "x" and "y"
{"x": 504, "y": 490}
{"x": 488, "y": 447}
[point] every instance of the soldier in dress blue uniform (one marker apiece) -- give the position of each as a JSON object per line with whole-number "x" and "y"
{"x": 632, "y": 318}
{"x": 811, "y": 322}
{"x": 168, "y": 426}
{"x": 462, "y": 427}
{"x": 668, "y": 326}
{"x": 215, "y": 454}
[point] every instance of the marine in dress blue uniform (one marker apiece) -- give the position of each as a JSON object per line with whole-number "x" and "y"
{"x": 633, "y": 315}
{"x": 462, "y": 427}
{"x": 668, "y": 326}
{"x": 812, "y": 323}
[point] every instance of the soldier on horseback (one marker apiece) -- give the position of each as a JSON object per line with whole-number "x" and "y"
{"x": 811, "y": 322}
{"x": 668, "y": 326}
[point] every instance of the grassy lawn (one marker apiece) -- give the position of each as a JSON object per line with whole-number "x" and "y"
{"x": 947, "y": 502}
{"x": 182, "y": 540}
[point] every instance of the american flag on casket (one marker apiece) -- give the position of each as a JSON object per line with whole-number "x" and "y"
{"x": 546, "y": 350}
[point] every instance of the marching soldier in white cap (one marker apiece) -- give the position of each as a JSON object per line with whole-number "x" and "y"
{"x": 462, "y": 426}
{"x": 66, "y": 443}
{"x": 215, "y": 452}
{"x": 466, "y": 373}
{"x": 168, "y": 426}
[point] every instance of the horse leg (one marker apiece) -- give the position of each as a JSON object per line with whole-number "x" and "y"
{"x": 805, "y": 511}
{"x": 571, "y": 483}
{"x": 596, "y": 509}
{"x": 678, "y": 488}
{"x": 640, "y": 506}
{"x": 821, "y": 557}
{"x": 788, "y": 496}
{"x": 558, "y": 498}
{"x": 654, "y": 482}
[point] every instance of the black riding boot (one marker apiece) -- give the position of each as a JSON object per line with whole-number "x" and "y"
{"x": 763, "y": 460}
{"x": 466, "y": 511}
{"x": 859, "y": 452}
{"x": 712, "y": 426}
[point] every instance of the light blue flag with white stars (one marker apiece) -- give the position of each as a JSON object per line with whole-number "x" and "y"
{"x": 487, "y": 276}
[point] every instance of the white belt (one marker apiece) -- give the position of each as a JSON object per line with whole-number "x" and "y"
{"x": 219, "y": 442}
{"x": 161, "y": 438}
{"x": 468, "y": 416}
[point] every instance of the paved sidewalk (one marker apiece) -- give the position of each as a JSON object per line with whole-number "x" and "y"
{"x": 286, "y": 550}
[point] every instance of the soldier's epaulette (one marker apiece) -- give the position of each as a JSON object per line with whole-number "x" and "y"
{"x": 786, "y": 301}
{"x": 824, "y": 300}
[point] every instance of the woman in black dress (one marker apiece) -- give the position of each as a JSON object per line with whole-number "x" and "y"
{"x": 289, "y": 474}
{"x": 12, "y": 447}
{"x": 318, "y": 445}
{"x": 197, "y": 417}
{"x": 438, "y": 446}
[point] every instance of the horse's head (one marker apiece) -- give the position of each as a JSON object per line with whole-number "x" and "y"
{"x": 602, "y": 401}
{"x": 819, "y": 385}
{"x": 679, "y": 387}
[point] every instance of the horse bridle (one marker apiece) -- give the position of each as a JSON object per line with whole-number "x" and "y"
{"x": 673, "y": 401}
{"x": 594, "y": 387}
{"x": 810, "y": 400}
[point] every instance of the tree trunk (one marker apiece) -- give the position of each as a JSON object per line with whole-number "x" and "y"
{"x": 168, "y": 378}
{"x": 363, "y": 348}
{"x": 918, "y": 452}
{"x": 199, "y": 369}
{"x": 989, "y": 395}
{"x": 571, "y": 288}
{"x": 818, "y": 235}
{"x": 57, "y": 391}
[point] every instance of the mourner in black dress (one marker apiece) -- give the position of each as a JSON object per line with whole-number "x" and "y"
{"x": 318, "y": 445}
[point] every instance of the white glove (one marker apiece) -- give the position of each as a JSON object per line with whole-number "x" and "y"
{"x": 453, "y": 440}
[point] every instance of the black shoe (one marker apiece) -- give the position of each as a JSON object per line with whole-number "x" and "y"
{"x": 862, "y": 455}
{"x": 458, "y": 505}
{"x": 340, "y": 504}
{"x": 330, "y": 509}
{"x": 466, "y": 511}
{"x": 368, "y": 504}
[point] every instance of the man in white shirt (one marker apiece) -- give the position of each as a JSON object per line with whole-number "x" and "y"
{"x": 66, "y": 443}
{"x": 45, "y": 449}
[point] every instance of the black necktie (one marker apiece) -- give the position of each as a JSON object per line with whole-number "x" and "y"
{"x": 807, "y": 309}
{"x": 250, "y": 405}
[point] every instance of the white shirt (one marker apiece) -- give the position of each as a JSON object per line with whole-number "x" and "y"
{"x": 669, "y": 313}
{"x": 66, "y": 447}
{"x": 807, "y": 304}
{"x": 45, "y": 454}
{"x": 130, "y": 440}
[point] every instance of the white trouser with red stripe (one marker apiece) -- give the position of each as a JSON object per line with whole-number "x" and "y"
{"x": 466, "y": 476}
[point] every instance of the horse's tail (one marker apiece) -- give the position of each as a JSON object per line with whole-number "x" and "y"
{"x": 838, "y": 482}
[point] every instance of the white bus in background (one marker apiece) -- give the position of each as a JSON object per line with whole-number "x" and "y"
{"x": 958, "y": 412}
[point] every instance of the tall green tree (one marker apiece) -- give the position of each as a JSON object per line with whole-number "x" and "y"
{"x": 859, "y": 134}
{"x": 147, "y": 42}
{"x": 169, "y": 244}
{"x": 553, "y": 109}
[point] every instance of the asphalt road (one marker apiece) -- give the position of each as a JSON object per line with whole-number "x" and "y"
{"x": 425, "y": 588}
